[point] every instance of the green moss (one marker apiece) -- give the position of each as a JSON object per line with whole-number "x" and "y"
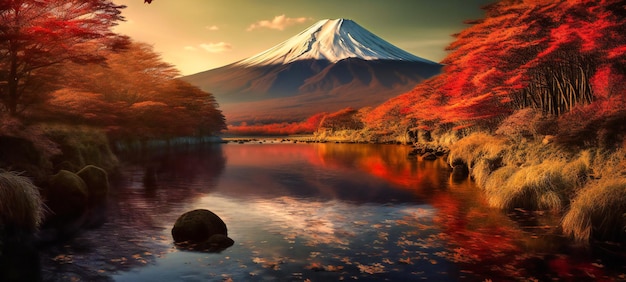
{"x": 66, "y": 196}
{"x": 81, "y": 146}
{"x": 97, "y": 182}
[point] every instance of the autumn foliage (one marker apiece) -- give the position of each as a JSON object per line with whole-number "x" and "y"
{"x": 37, "y": 36}
{"x": 134, "y": 95}
{"x": 60, "y": 62}
{"x": 554, "y": 56}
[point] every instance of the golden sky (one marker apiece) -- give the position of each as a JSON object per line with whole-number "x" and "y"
{"x": 198, "y": 35}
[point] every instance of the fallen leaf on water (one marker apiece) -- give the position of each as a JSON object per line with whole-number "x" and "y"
{"x": 372, "y": 269}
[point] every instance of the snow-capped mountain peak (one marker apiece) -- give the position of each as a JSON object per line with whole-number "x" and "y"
{"x": 331, "y": 40}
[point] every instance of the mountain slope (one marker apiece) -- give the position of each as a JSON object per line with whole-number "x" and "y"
{"x": 330, "y": 65}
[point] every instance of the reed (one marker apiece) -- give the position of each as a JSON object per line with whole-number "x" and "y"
{"x": 475, "y": 147}
{"x": 20, "y": 202}
{"x": 537, "y": 187}
{"x": 598, "y": 212}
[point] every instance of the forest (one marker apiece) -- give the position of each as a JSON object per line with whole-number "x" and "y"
{"x": 60, "y": 63}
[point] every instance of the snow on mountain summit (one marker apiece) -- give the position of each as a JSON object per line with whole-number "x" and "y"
{"x": 331, "y": 40}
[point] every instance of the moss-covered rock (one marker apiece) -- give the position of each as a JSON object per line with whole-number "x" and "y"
{"x": 66, "y": 196}
{"x": 97, "y": 182}
{"x": 198, "y": 226}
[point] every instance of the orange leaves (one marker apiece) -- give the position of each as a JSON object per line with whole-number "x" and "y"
{"x": 136, "y": 96}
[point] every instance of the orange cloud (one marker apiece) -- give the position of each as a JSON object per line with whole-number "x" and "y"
{"x": 213, "y": 28}
{"x": 279, "y": 22}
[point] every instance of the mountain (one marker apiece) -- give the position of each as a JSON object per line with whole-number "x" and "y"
{"x": 331, "y": 65}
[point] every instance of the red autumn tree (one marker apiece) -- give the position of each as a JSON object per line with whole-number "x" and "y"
{"x": 550, "y": 55}
{"x": 37, "y": 35}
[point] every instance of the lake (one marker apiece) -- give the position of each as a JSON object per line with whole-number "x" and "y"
{"x": 317, "y": 212}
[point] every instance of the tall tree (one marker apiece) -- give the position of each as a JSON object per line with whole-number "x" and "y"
{"x": 36, "y": 35}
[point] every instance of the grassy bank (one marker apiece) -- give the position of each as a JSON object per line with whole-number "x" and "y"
{"x": 526, "y": 163}
{"x": 588, "y": 187}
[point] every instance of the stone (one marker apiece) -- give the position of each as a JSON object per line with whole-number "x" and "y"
{"x": 66, "y": 196}
{"x": 97, "y": 182}
{"x": 198, "y": 226}
{"x": 429, "y": 156}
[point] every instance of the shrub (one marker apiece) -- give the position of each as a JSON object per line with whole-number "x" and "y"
{"x": 597, "y": 212}
{"x": 81, "y": 146}
{"x": 20, "y": 202}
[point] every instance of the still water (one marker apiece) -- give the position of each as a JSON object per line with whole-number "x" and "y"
{"x": 317, "y": 212}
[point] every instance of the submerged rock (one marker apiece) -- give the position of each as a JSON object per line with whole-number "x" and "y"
{"x": 201, "y": 230}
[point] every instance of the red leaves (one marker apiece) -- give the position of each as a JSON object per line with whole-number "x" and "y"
{"x": 38, "y": 35}
{"x": 553, "y": 55}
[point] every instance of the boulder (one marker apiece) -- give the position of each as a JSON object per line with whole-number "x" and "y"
{"x": 66, "y": 196}
{"x": 198, "y": 226}
{"x": 97, "y": 182}
{"x": 218, "y": 242}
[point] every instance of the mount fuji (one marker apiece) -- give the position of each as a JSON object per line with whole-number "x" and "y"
{"x": 331, "y": 65}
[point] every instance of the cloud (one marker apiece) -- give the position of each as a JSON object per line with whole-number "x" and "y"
{"x": 216, "y": 47}
{"x": 279, "y": 23}
{"x": 213, "y": 28}
{"x": 190, "y": 48}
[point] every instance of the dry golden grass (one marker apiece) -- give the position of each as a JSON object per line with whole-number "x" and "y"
{"x": 540, "y": 187}
{"x": 475, "y": 147}
{"x": 577, "y": 170}
{"x": 598, "y": 212}
{"x": 20, "y": 202}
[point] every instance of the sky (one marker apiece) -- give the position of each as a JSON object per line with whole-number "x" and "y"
{"x": 199, "y": 35}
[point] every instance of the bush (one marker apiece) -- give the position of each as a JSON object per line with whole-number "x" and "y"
{"x": 81, "y": 146}
{"x": 598, "y": 212}
{"x": 527, "y": 123}
{"x": 20, "y": 202}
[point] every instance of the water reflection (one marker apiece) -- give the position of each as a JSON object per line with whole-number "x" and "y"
{"x": 314, "y": 211}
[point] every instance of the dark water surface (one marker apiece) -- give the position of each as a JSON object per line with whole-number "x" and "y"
{"x": 318, "y": 212}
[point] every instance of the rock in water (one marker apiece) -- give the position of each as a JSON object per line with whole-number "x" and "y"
{"x": 97, "y": 182}
{"x": 66, "y": 197}
{"x": 198, "y": 226}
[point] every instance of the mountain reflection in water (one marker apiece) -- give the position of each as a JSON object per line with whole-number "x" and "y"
{"x": 314, "y": 211}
